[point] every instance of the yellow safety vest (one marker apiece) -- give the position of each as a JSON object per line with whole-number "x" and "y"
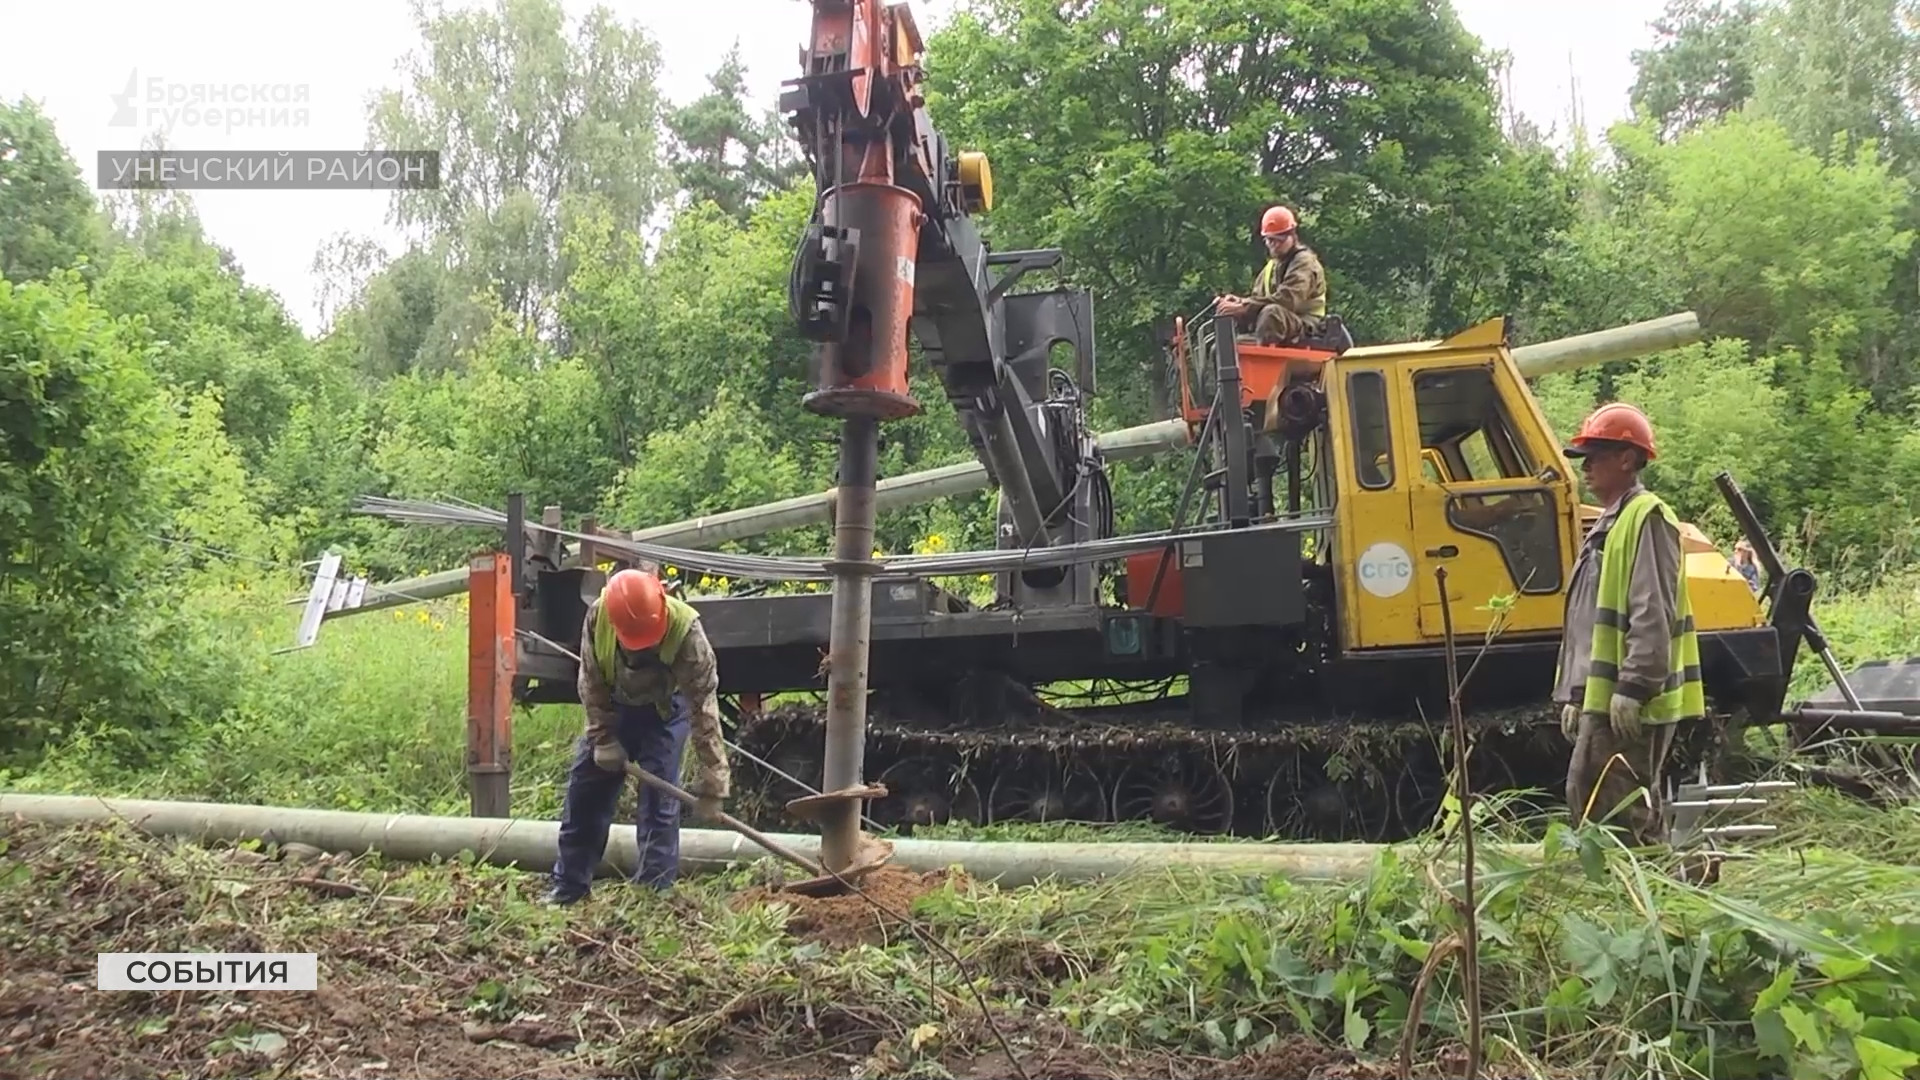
{"x": 1263, "y": 283}
{"x": 680, "y": 617}
{"x": 1681, "y": 697}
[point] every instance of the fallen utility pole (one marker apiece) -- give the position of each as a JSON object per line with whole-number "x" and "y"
{"x": 529, "y": 844}
{"x": 1810, "y": 722}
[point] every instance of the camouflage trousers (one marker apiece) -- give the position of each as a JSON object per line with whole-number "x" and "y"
{"x": 1276, "y": 325}
{"x": 1639, "y": 763}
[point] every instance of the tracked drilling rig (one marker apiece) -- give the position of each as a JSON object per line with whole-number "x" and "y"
{"x": 1272, "y": 664}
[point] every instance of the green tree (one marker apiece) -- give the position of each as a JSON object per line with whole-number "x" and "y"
{"x": 1839, "y": 75}
{"x": 89, "y": 625}
{"x": 217, "y": 517}
{"x": 1145, "y": 138}
{"x": 414, "y": 314}
{"x": 728, "y": 457}
{"x": 709, "y": 311}
{"x": 1700, "y": 68}
{"x": 1844, "y": 70}
{"x": 47, "y": 217}
{"x": 525, "y": 119}
{"x": 720, "y": 153}
{"x": 201, "y": 325}
{"x": 1762, "y": 238}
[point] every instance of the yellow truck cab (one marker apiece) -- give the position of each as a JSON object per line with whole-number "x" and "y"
{"x": 1444, "y": 459}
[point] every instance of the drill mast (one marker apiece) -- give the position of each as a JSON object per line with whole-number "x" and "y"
{"x": 892, "y": 248}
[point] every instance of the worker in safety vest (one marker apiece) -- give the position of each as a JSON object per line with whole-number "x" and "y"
{"x": 1629, "y": 667}
{"x": 1289, "y": 300}
{"x": 647, "y": 676}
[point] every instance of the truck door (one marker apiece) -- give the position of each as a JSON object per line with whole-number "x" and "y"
{"x": 1493, "y": 516}
{"x": 1377, "y": 601}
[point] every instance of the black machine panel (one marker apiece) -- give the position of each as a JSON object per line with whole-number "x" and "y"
{"x": 1238, "y": 578}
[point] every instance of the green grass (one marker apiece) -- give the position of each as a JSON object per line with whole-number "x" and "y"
{"x": 370, "y": 718}
{"x": 1593, "y": 962}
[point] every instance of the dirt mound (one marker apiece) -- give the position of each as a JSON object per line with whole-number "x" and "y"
{"x": 847, "y": 920}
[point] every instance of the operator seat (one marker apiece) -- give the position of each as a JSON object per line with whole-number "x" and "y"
{"x": 1332, "y": 337}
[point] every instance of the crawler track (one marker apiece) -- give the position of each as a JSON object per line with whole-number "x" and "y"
{"x": 1350, "y": 779}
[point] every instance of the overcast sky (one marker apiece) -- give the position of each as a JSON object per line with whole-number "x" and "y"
{"x": 76, "y": 57}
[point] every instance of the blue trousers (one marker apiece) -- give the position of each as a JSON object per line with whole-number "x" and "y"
{"x": 593, "y": 793}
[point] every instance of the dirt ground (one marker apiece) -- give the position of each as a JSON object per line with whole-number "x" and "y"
{"x": 457, "y": 971}
{"x": 850, "y": 919}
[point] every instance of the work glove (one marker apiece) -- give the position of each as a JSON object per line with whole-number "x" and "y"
{"x": 1570, "y": 721}
{"x": 708, "y": 807}
{"x": 1624, "y": 713}
{"x": 610, "y": 755}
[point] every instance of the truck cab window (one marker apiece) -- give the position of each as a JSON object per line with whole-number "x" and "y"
{"x": 1462, "y": 418}
{"x": 1464, "y": 423}
{"x": 1372, "y": 441}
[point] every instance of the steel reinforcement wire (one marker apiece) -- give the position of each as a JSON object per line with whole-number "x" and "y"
{"x": 781, "y": 568}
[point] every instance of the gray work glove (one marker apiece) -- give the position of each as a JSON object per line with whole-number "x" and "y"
{"x": 1570, "y": 721}
{"x": 610, "y": 755}
{"x": 1624, "y": 713}
{"x": 709, "y": 808}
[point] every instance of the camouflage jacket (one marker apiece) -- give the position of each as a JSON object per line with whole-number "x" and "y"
{"x": 1295, "y": 281}
{"x": 643, "y": 679}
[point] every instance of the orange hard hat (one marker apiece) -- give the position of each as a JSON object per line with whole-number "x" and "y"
{"x": 1615, "y": 422}
{"x": 637, "y": 605}
{"x": 1276, "y": 221}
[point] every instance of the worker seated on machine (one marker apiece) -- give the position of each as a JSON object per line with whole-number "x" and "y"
{"x": 1289, "y": 301}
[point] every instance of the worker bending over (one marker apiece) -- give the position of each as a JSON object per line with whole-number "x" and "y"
{"x": 1289, "y": 301}
{"x": 1629, "y": 666}
{"x": 647, "y": 675}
